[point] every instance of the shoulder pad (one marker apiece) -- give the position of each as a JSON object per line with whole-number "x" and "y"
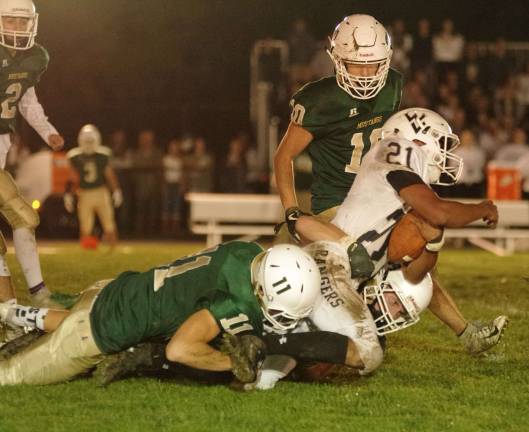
{"x": 104, "y": 151}
{"x": 41, "y": 54}
{"x": 76, "y": 151}
{"x": 315, "y": 88}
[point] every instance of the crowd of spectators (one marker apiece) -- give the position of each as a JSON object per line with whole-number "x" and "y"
{"x": 483, "y": 93}
{"x": 155, "y": 176}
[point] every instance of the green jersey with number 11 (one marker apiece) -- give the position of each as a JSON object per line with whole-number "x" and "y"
{"x": 137, "y": 307}
{"x": 343, "y": 130}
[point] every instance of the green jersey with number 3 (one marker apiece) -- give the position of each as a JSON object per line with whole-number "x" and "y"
{"x": 17, "y": 74}
{"x": 90, "y": 167}
{"x": 139, "y": 306}
{"x": 343, "y": 130}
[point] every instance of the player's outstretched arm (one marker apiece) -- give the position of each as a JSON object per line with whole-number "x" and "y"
{"x": 33, "y": 112}
{"x": 296, "y": 139}
{"x": 311, "y": 229}
{"x": 189, "y": 345}
{"x": 446, "y": 213}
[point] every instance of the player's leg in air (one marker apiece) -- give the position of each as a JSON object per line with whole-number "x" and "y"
{"x": 475, "y": 337}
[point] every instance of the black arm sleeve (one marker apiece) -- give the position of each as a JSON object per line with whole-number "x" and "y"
{"x": 399, "y": 179}
{"x": 321, "y": 346}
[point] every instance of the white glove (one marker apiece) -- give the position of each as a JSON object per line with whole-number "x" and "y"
{"x": 436, "y": 244}
{"x": 275, "y": 367}
{"x": 69, "y": 202}
{"x": 117, "y": 198}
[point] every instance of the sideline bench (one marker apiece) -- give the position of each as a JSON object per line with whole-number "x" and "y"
{"x": 215, "y": 215}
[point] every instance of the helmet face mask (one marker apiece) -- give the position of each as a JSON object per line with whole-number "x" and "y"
{"x": 360, "y": 40}
{"x": 14, "y": 13}
{"x": 286, "y": 282}
{"x": 434, "y": 136}
{"x": 413, "y": 300}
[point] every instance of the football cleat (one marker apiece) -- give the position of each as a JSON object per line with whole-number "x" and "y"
{"x": 43, "y": 299}
{"x": 126, "y": 363}
{"x": 478, "y": 338}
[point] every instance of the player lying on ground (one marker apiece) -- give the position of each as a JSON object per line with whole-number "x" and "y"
{"x": 347, "y": 335}
{"x": 23, "y": 63}
{"x": 230, "y": 288}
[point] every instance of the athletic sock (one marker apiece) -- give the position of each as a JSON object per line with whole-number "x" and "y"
{"x": 27, "y": 255}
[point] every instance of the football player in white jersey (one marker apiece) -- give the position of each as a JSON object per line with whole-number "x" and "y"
{"x": 416, "y": 150}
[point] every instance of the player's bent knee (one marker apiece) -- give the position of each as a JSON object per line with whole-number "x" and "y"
{"x": 20, "y": 214}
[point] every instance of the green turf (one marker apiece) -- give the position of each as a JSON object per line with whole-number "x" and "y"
{"x": 427, "y": 383}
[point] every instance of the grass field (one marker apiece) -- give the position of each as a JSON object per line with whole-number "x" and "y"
{"x": 427, "y": 382}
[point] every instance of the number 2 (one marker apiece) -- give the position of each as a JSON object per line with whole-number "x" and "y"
{"x": 9, "y": 108}
{"x": 357, "y": 141}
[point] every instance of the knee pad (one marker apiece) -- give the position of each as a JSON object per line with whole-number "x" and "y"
{"x": 17, "y": 211}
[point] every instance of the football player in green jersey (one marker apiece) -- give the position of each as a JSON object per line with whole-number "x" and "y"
{"x": 90, "y": 161}
{"x": 231, "y": 288}
{"x": 22, "y": 62}
{"x": 338, "y": 118}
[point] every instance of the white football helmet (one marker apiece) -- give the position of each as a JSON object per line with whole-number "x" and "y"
{"x": 286, "y": 280}
{"x": 414, "y": 298}
{"x": 438, "y": 142}
{"x": 15, "y": 38}
{"x": 89, "y": 139}
{"x": 360, "y": 40}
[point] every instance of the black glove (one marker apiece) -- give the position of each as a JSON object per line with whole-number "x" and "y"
{"x": 360, "y": 261}
{"x": 292, "y": 214}
{"x": 247, "y": 354}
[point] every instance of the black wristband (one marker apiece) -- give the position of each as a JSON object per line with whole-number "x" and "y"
{"x": 319, "y": 346}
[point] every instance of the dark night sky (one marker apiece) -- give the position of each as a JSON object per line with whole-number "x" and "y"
{"x": 174, "y": 64}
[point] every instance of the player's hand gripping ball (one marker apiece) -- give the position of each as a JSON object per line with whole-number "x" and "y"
{"x": 409, "y": 237}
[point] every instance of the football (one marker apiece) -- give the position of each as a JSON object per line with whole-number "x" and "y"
{"x": 406, "y": 241}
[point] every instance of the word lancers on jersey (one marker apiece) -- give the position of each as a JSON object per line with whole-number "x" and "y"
{"x": 327, "y": 291}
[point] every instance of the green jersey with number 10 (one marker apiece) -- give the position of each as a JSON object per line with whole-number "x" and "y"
{"x": 17, "y": 74}
{"x": 343, "y": 130}
{"x": 152, "y": 305}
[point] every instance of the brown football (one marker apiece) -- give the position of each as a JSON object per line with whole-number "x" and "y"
{"x": 406, "y": 241}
